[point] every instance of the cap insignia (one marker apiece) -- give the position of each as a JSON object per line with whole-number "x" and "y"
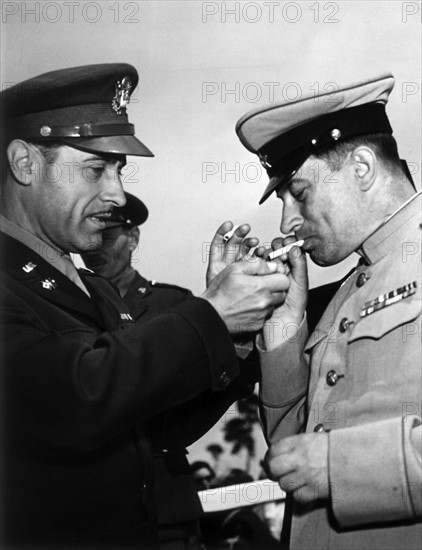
{"x": 264, "y": 161}
{"x": 122, "y": 96}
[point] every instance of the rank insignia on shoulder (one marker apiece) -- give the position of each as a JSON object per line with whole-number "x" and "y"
{"x": 388, "y": 299}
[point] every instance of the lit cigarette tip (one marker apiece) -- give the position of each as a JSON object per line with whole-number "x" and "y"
{"x": 284, "y": 250}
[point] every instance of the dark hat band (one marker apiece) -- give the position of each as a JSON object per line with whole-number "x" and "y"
{"x": 363, "y": 119}
{"x": 85, "y": 130}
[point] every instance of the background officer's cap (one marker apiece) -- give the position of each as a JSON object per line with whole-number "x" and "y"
{"x": 285, "y": 134}
{"x": 84, "y": 107}
{"x": 134, "y": 212}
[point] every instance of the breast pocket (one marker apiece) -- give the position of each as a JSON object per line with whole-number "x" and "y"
{"x": 381, "y": 322}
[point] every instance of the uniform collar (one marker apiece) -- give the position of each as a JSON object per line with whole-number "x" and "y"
{"x": 54, "y": 256}
{"x": 391, "y": 231}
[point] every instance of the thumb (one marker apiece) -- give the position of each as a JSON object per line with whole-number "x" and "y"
{"x": 298, "y": 267}
{"x": 251, "y": 265}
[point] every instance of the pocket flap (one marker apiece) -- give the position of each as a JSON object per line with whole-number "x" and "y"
{"x": 379, "y": 323}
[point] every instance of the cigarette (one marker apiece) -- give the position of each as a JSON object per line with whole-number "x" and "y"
{"x": 284, "y": 250}
{"x": 230, "y": 233}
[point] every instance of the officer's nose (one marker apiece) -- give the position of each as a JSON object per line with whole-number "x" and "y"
{"x": 291, "y": 218}
{"x": 113, "y": 189}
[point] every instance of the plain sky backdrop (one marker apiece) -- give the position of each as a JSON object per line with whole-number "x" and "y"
{"x": 203, "y": 65}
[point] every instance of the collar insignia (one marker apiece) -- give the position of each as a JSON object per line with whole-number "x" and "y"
{"x": 388, "y": 298}
{"x": 49, "y": 284}
{"x": 29, "y": 267}
{"x": 122, "y": 97}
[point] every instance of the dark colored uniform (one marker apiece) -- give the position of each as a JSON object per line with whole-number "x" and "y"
{"x": 178, "y": 505}
{"x": 80, "y": 380}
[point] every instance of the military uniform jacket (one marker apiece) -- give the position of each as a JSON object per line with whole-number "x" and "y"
{"x": 175, "y": 492}
{"x": 79, "y": 378}
{"x": 364, "y": 379}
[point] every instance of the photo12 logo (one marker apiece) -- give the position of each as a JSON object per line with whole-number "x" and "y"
{"x": 270, "y": 12}
{"x": 70, "y": 12}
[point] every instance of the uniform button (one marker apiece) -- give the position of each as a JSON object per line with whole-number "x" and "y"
{"x": 361, "y": 280}
{"x": 319, "y": 428}
{"x": 142, "y": 289}
{"x": 344, "y": 324}
{"x": 332, "y": 378}
{"x": 224, "y": 379}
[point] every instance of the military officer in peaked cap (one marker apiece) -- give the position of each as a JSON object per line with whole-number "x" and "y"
{"x": 353, "y": 386}
{"x": 79, "y": 377}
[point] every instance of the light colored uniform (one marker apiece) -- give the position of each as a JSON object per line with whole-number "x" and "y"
{"x": 365, "y": 389}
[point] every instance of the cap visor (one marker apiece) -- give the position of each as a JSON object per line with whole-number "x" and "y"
{"x": 115, "y": 145}
{"x": 291, "y": 164}
{"x": 274, "y": 183}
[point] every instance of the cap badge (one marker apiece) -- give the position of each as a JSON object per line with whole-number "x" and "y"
{"x": 264, "y": 161}
{"x": 122, "y": 96}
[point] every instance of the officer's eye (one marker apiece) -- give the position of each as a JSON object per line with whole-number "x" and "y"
{"x": 299, "y": 195}
{"x": 94, "y": 172}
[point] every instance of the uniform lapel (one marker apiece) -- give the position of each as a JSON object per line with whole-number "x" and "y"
{"x": 42, "y": 278}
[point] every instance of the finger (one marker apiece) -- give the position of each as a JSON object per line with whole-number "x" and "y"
{"x": 281, "y": 466}
{"x": 239, "y": 234}
{"x": 246, "y": 247}
{"x": 305, "y": 494}
{"x": 275, "y": 282}
{"x": 298, "y": 266}
{"x": 260, "y": 251}
{"x": 267, "y": 253}
{"x": 289, "y": 239}
{"x": 278, "y": 298}
{"x": 277, "y": 243}
{"x": 251, "y": 265}
{"x": 291, "y": 482}
{"x": 217, "y": 248}
{"x": 283, "y": 446}
{"x": 224, "y": 228}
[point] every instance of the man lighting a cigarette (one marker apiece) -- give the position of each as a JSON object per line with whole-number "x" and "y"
{"x": 178, "y": 505}
{"x": 342, "y": 406}
{"x": 80, "y": 379}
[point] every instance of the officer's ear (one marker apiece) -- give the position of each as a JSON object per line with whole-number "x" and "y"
{"x": 24, "y": 161}
{"x": 134, "y": 234}
{"x": 365, "y": 167}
